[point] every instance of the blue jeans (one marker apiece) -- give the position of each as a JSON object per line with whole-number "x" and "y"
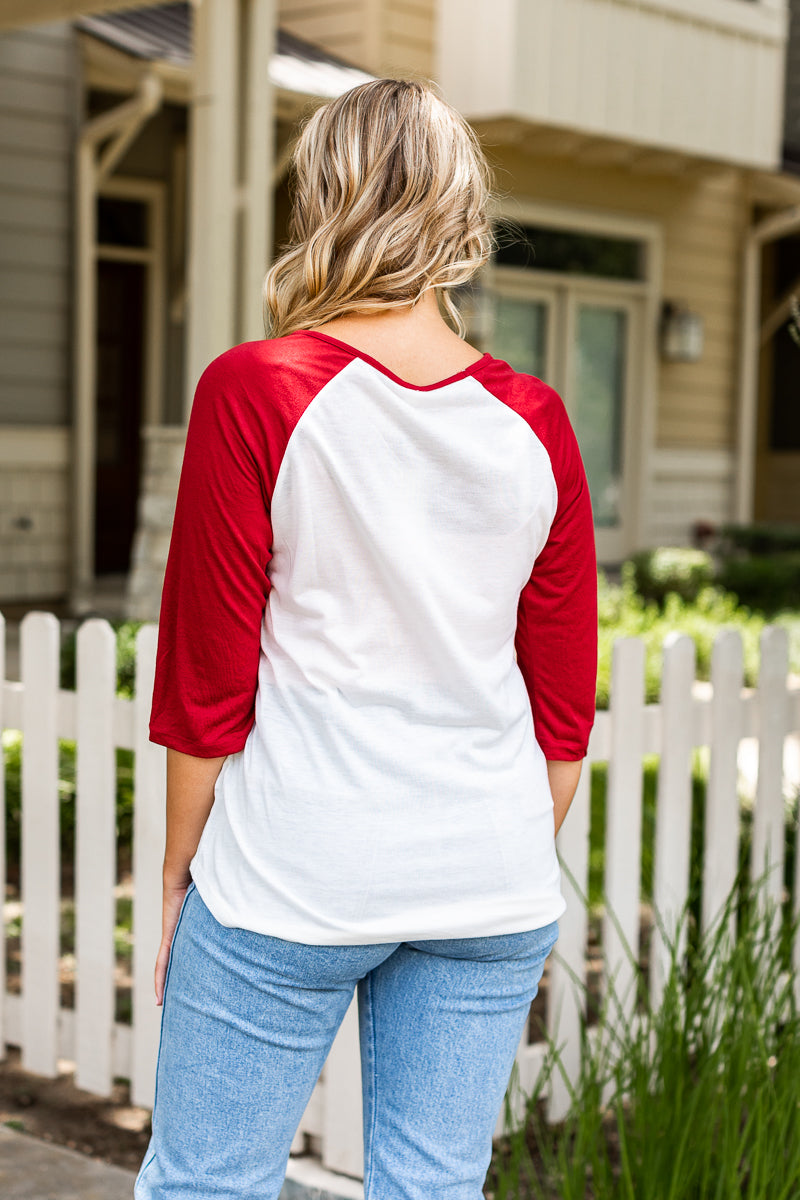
{"x": 246, "y": 1025}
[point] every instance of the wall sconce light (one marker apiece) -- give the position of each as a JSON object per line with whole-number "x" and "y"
{"x": 681, "y": 333}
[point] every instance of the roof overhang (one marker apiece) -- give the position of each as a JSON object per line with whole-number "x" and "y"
{"x": 594, "y": 149}
{"x": 118, "y": 48}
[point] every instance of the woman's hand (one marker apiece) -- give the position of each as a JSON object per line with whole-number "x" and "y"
{"x": 175, "y": 888}
{"x": 190, "y": 796}
{"x": 563, "y": 778}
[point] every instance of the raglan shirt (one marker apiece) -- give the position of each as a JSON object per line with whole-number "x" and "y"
{"x": 380, "y": 603}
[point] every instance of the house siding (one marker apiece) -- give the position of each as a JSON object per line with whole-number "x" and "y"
{"x": 37, "y": 122}
{"x": 702, "y": 219}
{"x": 38, "y": 108}
{"x": 387, "y": 37}
{"x": 337, "y": 26}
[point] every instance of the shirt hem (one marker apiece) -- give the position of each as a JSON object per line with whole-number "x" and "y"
{"x": 188, "y": 747}
{"x": 538, "y": 912}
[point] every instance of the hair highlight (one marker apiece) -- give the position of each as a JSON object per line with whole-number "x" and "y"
{"x": 390, "y": 199}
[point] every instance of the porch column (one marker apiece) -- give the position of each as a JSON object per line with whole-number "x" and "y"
{"x": 101, "y": 143}
{"x": 230, "y": 189}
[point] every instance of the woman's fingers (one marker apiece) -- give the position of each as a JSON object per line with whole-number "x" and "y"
{"x": 171, "y": 908}
{"x": 161, "y": 971}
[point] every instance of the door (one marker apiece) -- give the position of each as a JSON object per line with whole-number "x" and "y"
{"x": 602, "y": 339}
{"x": 121, "y": 289}
{"x": 581, "y": 339}
{"x": 129, "y": 357}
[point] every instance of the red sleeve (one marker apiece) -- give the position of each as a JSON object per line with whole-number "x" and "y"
{"x": 556, "y": 638}
{"x": 215, "y": 586}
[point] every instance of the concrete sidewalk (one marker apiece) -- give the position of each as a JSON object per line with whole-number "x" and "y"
{"x": 31, "y": 1169}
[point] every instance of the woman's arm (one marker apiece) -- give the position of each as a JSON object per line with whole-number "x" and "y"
{"x": 212, "y": 604}
{"x": 190, "y": 795}
{"x": 564, "y": 778}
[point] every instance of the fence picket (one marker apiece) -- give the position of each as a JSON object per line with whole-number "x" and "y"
{"x": 566, "y": 1000}
{"x": 623, "y": 843}
{"x": 673, "y": 809}
{"x": 100, "y": 722}
{"x": 95, "y": 856}
{"x": 768, "y": 819}
{"x": 3, "y": 1038}
{"x": 721, "y": 850}
{"x": 149, "y": 831}
{"x": 342, "y": 1135}
{"x": 41, "y": 867}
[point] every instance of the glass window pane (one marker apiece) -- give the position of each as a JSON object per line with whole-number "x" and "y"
{"x": 597, "y": 404}
{"x": 121, "y": 222}
{"x": 520, "y": 334}
{"x": 567, "y": 250}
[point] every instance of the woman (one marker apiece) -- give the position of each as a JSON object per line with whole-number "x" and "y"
{"x": 363, "y": 781}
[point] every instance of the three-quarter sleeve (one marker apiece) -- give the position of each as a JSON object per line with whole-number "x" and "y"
{"x": 216, "y": 582}
{"x": 556, "y": 639}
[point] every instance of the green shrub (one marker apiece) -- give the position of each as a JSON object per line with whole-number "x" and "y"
{"x": 760, "y": 537}
{"x": 769, "y": 582}
{"x": 666, "y": 569}
{"x": 624, "y": 613}
{"x": 126, "y": 657}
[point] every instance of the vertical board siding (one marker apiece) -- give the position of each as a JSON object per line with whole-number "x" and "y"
{"x": 686, "y": 717}
{"x": 95, "y": 853}
{"x": 38, "y": 82}
{"x": 39, "y": 633}
{"x": 667, "y": 83}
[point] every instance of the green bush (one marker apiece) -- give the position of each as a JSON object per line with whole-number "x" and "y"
{"x": 667, "y": 569}
{"x": 624, "y": 613}
{"x": 126, "y": 657}
{"x": 769, "y": 582}
{"x": 760, "y": 537}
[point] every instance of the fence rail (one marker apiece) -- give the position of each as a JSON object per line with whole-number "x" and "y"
{"x": 722, "y": 717}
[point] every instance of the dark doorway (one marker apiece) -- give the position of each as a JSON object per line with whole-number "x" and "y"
{"x": 120, "y": 375}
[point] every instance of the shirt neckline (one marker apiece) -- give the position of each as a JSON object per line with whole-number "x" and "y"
{"x": 379, "y": 366}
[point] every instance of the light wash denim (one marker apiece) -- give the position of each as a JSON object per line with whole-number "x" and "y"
{"x": 246, "y": 1025}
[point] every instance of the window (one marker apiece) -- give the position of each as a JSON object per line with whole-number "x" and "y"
{"x": 569, "y": 251}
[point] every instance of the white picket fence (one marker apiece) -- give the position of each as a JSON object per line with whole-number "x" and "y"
{"x": 99, "y": 721}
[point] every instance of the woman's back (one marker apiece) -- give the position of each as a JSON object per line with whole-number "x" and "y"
{"x": 375, "y": 679}
{"x": 392, "y": 778}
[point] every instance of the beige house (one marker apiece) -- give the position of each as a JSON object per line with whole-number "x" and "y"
{"x": 648, "y": 232}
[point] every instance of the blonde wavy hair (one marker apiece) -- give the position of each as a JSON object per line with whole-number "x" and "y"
{"x": 390, "y": 191}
